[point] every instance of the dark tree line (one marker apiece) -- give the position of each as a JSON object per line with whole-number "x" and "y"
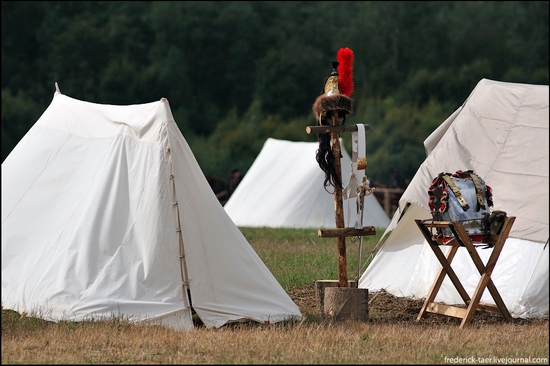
{"x": 238, "y": 72}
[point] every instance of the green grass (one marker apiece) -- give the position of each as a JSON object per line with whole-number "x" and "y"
{"x": 298, "y": 257}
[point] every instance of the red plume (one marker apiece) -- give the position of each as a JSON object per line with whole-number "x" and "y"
{"x": 345, "y": 71}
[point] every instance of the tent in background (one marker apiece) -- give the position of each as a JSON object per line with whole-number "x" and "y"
{"x": 501, "y": 132}
{"x": 284, "y": 188}
{"x": 106, "y": 212}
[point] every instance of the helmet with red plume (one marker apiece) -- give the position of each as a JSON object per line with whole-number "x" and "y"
{"x": 334, "y": 101}
{"x": 337, "y": 89}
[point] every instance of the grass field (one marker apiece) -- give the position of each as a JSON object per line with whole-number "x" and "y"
{"x": 297, "y": 258}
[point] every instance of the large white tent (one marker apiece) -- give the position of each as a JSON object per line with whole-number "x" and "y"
{"x": 501, "y": 132}
{"x": 106, "y": 212}
{"x": 284, "y": 188}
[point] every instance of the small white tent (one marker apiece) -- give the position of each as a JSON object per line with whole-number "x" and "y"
{"x": 501, "y": 132}
{"x": 106, "y": 212}
{"x": 284, "y": 188}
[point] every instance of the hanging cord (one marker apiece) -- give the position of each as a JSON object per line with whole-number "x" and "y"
{"x": 386, "y": 235}
{"x": 360, "y": 204}
{"x": 362, "y": 191}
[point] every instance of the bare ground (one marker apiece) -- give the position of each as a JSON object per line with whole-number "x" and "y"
{"x": 386, "y": 308}
{"x": 383, "y": 308}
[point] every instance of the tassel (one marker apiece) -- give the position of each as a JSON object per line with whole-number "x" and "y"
{"x": 345, "y": 71}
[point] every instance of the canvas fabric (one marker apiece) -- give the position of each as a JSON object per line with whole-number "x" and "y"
{"x": 284, "y": 188}
{"x": 502, "y": 133}
{"x": 106, "y": 212}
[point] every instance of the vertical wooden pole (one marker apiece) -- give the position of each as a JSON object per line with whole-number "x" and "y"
{"x": 387, "y": 206}
{"x": 339, "y": 205}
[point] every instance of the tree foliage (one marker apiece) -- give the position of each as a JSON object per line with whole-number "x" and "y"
{"x": 238, "y": 72}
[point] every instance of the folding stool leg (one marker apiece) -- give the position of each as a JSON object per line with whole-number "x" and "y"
{"x": 485, "y": 270}
{"x": 439, "y": 279}
{"x": 446, "y": 269}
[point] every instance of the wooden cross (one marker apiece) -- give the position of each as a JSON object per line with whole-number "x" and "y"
{"x": 341, "y": 232}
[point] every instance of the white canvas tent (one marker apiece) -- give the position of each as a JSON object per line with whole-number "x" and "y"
{"x": 106, "y": 212}
{"x": 284, "y": 188}
{"x": 501, "y": 132}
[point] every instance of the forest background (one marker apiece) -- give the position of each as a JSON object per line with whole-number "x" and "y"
{"x": 238, "y": 72}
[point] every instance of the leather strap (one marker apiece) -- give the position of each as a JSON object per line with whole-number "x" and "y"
{"x": 479, "y": 192}
{"x": 353, "y": 189}
{"x": 456, "y": 192}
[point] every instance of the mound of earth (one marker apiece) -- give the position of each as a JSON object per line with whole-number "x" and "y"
{"x": 384, "y": 307}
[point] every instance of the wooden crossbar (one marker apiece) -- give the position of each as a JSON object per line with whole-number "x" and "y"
{"x": 346, "y": 232}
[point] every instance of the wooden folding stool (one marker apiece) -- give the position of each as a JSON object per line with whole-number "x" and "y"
{"x": 461, "y": 238}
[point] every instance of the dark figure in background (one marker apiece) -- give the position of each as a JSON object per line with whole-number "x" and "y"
{"x": 218, "y": 186}
{"x": 223, "y": 193}
{"x": 233, "y": 181}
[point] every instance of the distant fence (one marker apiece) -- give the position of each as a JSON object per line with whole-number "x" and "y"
{"x": 388, "y": 198}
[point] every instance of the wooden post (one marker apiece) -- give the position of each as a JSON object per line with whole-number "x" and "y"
{"x": 339, "y": 204}
{"x": 387, "y": 206}
{"x": 341, "y": 232}
{"x": 386, "y": 197}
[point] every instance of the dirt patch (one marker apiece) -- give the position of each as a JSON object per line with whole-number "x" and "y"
{"x": 386, "y": 308}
